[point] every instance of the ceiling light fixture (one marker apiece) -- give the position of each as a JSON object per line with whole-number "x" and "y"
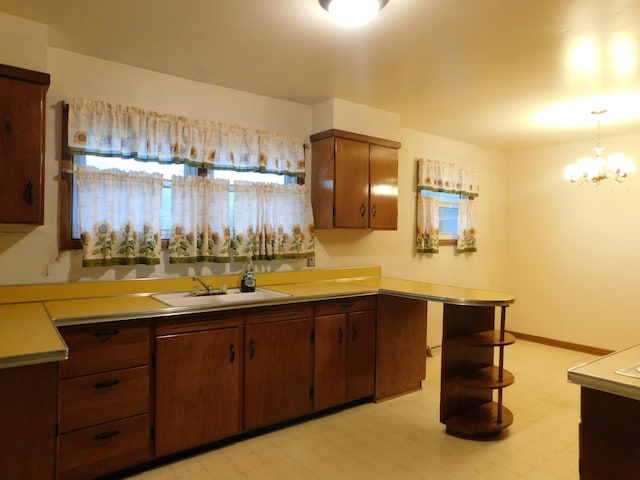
{"x": 589, "y": 169}
{"x": 352, "y": 13}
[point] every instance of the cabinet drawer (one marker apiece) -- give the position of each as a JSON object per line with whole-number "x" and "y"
{"x": 279, "y": 313}
{"x": 198, "y": 323}
{"x": 99, "y": 398}
{"x": 95, "y": 451}
{"x": 344, "y": 305}
{"x": 107, "y": 346}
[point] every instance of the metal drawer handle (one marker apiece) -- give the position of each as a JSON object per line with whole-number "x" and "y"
{"x": 340, "y": 335}
{"x": 354, "y": 332}
{"x": 232, "y": 347}
{"x": 106, "y": 383}
{"x": 107, "y": 334}
{"x": 252, "y": 349}
{"x": 106, "y": 435}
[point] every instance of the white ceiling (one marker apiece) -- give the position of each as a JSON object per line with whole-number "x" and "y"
{"x": 479, "y": 71}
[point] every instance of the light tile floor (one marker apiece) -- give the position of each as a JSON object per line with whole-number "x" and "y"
{"x": 403, "y": 439}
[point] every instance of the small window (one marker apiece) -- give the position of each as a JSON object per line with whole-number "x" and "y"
{"x": 448, "y": 214}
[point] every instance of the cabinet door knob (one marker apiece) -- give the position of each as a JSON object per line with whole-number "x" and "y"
{"x": 28, "y": 193}
{"x": 232, "y": 348}
{"x": 363, "y": 210}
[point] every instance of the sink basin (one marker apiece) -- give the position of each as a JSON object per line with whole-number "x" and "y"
{"x": 232, "y": 297}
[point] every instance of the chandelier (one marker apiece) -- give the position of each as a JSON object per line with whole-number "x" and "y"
{"x": 352, "y": 13}
{"x": 594, "y": 169}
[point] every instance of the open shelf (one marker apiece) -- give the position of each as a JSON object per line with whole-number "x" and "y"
{"x": 486, "y": 377}
{"x": 480, "y": 422}
{"x": 469, "y": 375}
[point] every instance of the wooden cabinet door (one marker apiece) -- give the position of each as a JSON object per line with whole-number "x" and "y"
{"x": 351, "y": 184}
{"x": 28, "y": 420}
{"x": 401, "y": 345}
{"x": 22, "y": 104}
{"x": 197, "y": 388}
{"x": 330, "y": 361}
{"x": 361, "y": 358}
{"x": 383, "y": 198}
{"x": 277, "y": 380}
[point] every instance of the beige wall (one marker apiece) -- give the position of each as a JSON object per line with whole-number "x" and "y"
{"x": 573, "y": 260}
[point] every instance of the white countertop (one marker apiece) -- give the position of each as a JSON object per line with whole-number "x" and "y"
{"x": 600, "y": 374}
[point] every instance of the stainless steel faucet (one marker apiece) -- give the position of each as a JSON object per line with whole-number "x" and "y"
{"x": 209, "y": 288}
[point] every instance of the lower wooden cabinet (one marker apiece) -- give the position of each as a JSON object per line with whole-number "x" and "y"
{"x": 104, "y": 399}
{"x": 278, "y": 364}
{"x": 198, "y": 381}
{"x": 609, "y": 436}
{"x": 28, "y": 421}
{"x": 344, "y": 353}
{"x": 401, "y": 345}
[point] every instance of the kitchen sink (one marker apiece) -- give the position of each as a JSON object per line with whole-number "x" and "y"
{"x": 232, "y": 297}
{"x": 632, "y": 371}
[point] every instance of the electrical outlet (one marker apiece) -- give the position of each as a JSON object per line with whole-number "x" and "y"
{"x": 311, "y": 261}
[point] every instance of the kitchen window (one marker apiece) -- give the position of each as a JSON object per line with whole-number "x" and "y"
{"x": 167, "y": 171}
{"x": 99, "y": 136}
{"x": 448, "y": 209}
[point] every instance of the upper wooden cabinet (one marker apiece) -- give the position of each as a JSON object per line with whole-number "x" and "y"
{"x": 354, "y": 181}
{"x": 22, "y": 132}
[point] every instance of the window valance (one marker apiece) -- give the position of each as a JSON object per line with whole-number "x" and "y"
{"x": 447, "y": 177}
{"x": 106, "y": 129}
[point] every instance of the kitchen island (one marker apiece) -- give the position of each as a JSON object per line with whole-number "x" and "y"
{"x": 609, "y": 415}
{"x": 368, "y": 342}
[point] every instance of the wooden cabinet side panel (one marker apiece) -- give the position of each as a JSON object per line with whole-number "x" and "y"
{"x": 28, "y": 418}
{"x": 351, "y": 184}
{"x": 322, "y": 182}
{"x": 383, "y": 179}
{"x": 361, "y": 355}
{"x": 21, "y": 151}
{"x": 197, "y": 388}
{"x": 278, "y": 372}
{"x": 609, "y": 437}
{"x": 330, "y": 361}
{"x": 401, "y": 345}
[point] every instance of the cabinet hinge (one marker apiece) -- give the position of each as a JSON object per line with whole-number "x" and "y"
{"x": 311, "y": 393}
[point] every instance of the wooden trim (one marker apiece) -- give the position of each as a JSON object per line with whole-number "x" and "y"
{"x": 355, "y": 136}
{"x": 561, "y": 344}
{"x": 25, "y": 75}
{"x": 65, "y": 188}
